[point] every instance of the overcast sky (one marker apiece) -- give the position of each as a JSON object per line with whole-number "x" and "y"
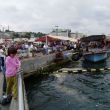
{"x": 87, "y": 16}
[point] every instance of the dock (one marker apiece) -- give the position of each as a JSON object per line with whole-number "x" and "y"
{"x": 29, "y": 65}
{"x": 14, "y": 103}
{"x": 5, "y": 107}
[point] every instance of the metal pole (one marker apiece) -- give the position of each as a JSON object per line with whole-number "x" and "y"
{"x": 56, "y": 30}
{"x": 2, "y": 31}
{"x": 1, "y": 28}
{"x": 8, "y": 28}
{"x": 20, "y": 92}
{"x": 46, "y": 41}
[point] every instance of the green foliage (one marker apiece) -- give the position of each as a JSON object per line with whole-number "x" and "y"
{"x": 27, "y": 34}
{"x": 39, "y": 34}
{"x": 8, "y": 30}
{"x": 15, "y": 35}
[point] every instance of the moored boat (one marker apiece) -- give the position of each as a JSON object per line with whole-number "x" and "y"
{"x": 95, "y": 57}
{"x": 95, "y": 48}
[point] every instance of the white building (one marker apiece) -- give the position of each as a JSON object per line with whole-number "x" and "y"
{"x": 66, "y": 33}
{"x": 77, "y": 35}
{"x": 61, "y": 32}
{"x": 6, "y": 35}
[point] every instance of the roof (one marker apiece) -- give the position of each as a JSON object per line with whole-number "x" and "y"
{"x": 49, "y": 39}
{"x": 64, "y": 38}
{"x": 93, "y": 38}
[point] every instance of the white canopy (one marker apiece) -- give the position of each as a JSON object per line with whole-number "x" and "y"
{"x": 64, "y": 38}
{"x": 31, "y": 40}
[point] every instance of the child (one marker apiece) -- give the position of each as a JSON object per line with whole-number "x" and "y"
{"x": 12, "y": 67}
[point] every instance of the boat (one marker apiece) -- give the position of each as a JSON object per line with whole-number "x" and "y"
{"x": 95, "y": 49}
{"x": 95, "y": 57}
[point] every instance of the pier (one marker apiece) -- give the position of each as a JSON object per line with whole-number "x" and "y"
{"x": 29, "y": 66}
{"x": 14, "y": 105}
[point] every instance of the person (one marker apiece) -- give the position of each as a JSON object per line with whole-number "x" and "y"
{"x": 2, "y": 67}
{"x": 45, "y": 49}
{"x": 12, "y": 67}
{"x": 75, "y": 46}
{"x": 30, "y": 48}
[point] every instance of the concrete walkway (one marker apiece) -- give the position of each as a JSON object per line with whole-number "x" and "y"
{"x": 14, "y": 103}
{"x": 6, "y": 107}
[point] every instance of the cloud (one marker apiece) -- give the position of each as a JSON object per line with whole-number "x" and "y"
{"x": 87, "y": 16}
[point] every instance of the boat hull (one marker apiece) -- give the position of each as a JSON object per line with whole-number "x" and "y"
{"x": 96, "y": 57}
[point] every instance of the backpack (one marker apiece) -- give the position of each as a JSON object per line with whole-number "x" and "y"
{"x": 5, "y": 99}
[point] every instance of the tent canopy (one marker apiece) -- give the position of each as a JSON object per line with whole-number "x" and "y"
{"x": 64, "y": 38}
{"x": 49, "y": 39}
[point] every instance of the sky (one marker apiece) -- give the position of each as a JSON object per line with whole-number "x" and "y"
{"x": 85, "y": 16}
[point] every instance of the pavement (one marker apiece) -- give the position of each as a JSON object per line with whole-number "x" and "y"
{"x": 5, "y": 107}
{"x": 14, "y": 103}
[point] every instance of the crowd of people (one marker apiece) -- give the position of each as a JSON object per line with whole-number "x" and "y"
{"x": 30, "y": 49}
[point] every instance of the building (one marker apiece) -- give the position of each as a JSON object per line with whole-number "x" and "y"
{"x": 66, "y": 33}
{"x": 61, "y": 32}
{"x": 5, "y": 35}
{"x": 77, "y": 35}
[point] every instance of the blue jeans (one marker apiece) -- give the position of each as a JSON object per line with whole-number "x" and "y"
{"x": 4, "y": 79}
{"x": 46, "y": 51}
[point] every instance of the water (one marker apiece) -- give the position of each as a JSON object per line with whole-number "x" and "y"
{"x": 70, "y": 91}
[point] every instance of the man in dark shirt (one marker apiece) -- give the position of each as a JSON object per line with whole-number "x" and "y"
{"x": 2, "y": 67}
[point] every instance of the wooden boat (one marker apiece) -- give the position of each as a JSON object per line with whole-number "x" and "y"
{"x": 95, "y": 53}
{"x": 95, "y": 57}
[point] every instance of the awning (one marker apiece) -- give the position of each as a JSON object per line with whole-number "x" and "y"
{"x": 93, "y": 38}
{"x": 64, "y": 38}
{"x": 49, "y": 39}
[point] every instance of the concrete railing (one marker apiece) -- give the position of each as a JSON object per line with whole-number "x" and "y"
{"x": 21, "y": 100}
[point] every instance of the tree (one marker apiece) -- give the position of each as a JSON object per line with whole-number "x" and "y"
{"x": 39, "y": 34}
{"x": 16, "y": 35}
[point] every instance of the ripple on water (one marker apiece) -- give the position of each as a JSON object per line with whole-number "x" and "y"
{"x": 70, "y": 92}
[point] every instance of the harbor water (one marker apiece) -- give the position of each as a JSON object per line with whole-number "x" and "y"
{"x": 63, "y": 91}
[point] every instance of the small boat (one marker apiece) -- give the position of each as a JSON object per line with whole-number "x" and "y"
{"x": 95, "y": 48}
{"x": 95, "y": 57}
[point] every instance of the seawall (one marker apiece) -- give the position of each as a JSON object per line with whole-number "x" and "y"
{"x": 31, "y": 65}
